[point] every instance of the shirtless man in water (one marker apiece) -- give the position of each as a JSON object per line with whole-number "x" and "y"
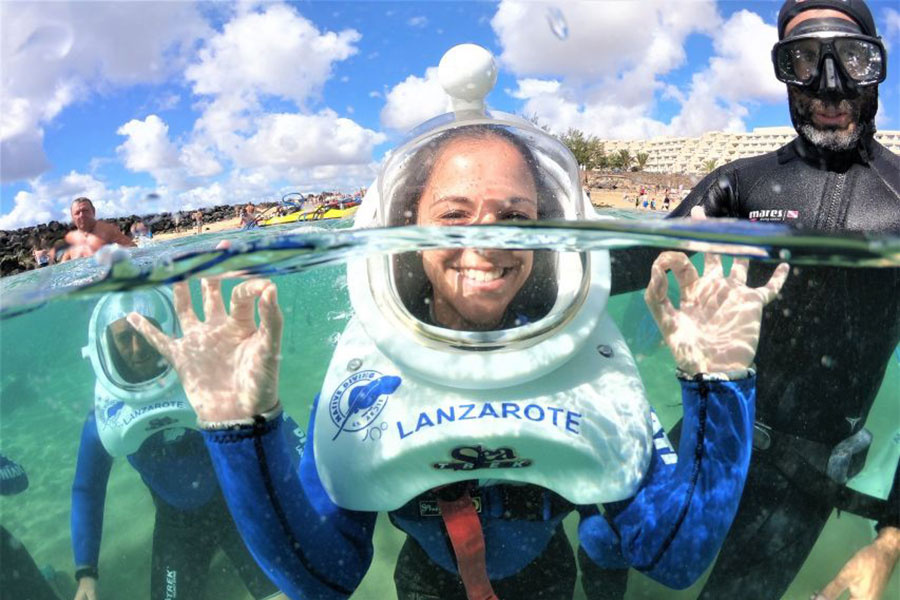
{"x": 90, "y": 234}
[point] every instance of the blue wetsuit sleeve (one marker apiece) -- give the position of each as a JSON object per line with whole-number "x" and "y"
{"x": 673, "y": 527}
{"x": 308, "y": 546}
{"x": 89, "y": 495}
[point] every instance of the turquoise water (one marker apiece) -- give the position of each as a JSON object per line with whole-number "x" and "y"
{"x": 47, "y": 389}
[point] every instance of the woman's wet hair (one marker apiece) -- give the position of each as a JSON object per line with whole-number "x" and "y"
{"x": 538, "y": 293}
{"x": 418, "y": 171}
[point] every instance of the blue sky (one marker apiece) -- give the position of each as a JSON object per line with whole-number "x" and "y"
{"x": 216, "y": 103}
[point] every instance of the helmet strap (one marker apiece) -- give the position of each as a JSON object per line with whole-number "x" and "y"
{"x": 467, "y": 538}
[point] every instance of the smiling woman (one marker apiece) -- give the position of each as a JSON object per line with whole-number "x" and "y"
{"x": 480, "y": 174}
{"x": 473, "y": 175}
{"x": 475, "y": 181}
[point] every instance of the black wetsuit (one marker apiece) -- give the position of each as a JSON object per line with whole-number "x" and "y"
{"x": 824, "y": 345}
{"x": 20, "y": 577}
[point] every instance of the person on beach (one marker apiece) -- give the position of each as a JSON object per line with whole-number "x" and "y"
{"x": 90, "y": 234}
{"x": 139, "y": 229}
{"x": 140, "y": 413}
{"x": 249, "y": 220}
{"x": 478, "y": 397}
{"x": 197, "y": 217}
{"x": 43, "y": 254}
{"x": 826, "y": 342}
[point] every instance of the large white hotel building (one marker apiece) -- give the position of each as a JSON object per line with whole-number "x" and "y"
{"x": 690, "y": 155}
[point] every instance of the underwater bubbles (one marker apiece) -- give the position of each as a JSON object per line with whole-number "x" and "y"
{"x": 557, "y": 23}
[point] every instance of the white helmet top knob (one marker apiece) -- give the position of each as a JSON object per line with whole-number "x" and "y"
{"x": 467, "y": 73}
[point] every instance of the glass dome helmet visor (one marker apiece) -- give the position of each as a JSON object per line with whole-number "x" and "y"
{"x": 121, "y": 357}
{"x": 490, "y": 170}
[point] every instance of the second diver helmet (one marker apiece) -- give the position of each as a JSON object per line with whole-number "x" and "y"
{"x": 467, "y": 362}
{"x": 137, "y": 393}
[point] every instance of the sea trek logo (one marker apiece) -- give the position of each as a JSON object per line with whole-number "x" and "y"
{"x": 469, "y": 458}
{"x": 359, "y": 399}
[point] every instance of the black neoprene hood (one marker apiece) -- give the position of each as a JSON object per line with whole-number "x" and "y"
{"x": 856, "y": 9}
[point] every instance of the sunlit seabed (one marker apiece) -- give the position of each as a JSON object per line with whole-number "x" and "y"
{"x": 47, "y": 388}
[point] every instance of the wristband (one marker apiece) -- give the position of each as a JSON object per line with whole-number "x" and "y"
{"x": 86, "y": 572}
{"x": 246, "y": 423}
{"x": 721, "y": 376}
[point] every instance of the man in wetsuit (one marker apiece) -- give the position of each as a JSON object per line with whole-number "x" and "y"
{"x": 826, "y": 342}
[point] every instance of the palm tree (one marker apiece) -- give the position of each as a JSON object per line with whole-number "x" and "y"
{"x": 587, "y": 149}
{"x": 642, "y": 159}
{"x": 709, "y": 165}
{"x": 625, "y": 159}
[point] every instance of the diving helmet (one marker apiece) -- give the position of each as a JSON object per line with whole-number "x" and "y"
{"x": 145, "y": 374}
{"x": 477, "y": 317}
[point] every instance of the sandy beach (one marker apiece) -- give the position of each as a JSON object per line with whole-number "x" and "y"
{"x": 601, "y": 198}
{"x": 605, "y": 198}
{"x": 233, "y": 223}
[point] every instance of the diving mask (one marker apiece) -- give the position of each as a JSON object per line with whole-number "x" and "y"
{"x": 830, "y": 54}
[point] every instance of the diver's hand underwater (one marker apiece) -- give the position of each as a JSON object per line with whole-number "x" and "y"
{"x": 227, "y": 365}
{"x": 715, "y": 329}
{"x": 866, "y": 575}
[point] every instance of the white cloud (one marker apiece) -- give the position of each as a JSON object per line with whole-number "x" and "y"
{"x": 417, "y": 22}
{"x": 606, "y": 77}
{"x": 167, "y": 102}
{"x": 148, "y": 147}
{"x": 294, "y": 140}
{"x": 413, "y": 101}
{"x": 22, "y": 155}
{"x": 562, "y": 111}
{"x": 739, "y": 73}
{"x": 30, "y": 209}
{"x": 605, "y": 74}
{"x": 600, "y": 42}
{"x": 529, "y": 88}
{"x": 250, "y": 152}
{"x": 276, "y": 52}
{"x": 199, "y": 160}
{"x": 891, "y": 24}
{"x": 253, "y": 58}
{"x": 49, "y": 201}
{"x": 54, "y": 54}
{"x": 882, "y": 120}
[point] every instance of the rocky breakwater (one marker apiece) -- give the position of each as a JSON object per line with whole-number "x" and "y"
{"x": 16, "y": 246}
